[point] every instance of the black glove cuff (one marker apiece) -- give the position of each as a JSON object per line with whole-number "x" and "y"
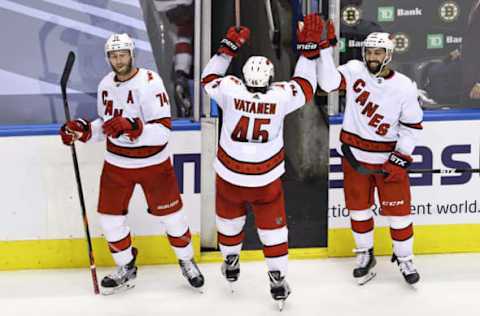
{"x": 398, "y": 161}
{"x": 229, "y": 44}
{"x": 307, "y": 47}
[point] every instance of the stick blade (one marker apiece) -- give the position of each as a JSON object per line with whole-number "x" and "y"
{"x": 66, "y": 71}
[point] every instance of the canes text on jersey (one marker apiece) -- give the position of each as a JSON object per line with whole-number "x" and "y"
{"x": 370, "y": 109}
{"x": 109, "y": 110}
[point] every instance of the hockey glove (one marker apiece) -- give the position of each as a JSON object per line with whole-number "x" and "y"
{"x": 131, "y": 127}
{"x": 233, "y": 41}
{"x": 309, "y": 35}
{"x": 80, "y": 129}
{"x": 331, "y": 38}
{"x": 396, "y": 167}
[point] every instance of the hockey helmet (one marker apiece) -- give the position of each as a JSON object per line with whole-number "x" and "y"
{"x": 119, "y": 42}
{"x": 379, "y": 40}
{"x": 258, "y": 72}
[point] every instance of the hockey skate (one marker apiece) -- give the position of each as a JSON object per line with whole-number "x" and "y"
{"x": 407, "y": 268}
{"x": 364, "y": 265}
{"x": 191, "y": 272}
{"x": 279, "y": 288}
{"x": 122, "y": 279}
{"x": 231, "y": 269}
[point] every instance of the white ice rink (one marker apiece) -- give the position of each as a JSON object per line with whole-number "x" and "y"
{"x": 449, "y": 285}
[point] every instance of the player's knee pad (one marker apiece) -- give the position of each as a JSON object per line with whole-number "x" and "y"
{"x": 114, "y": 226}
{"x": 361, "y": 215}
{"x": 176, "y": 223}
{"x": 400, "y": 222}
{"x": 270, "y": 237}
{"x": 230, "y": 227}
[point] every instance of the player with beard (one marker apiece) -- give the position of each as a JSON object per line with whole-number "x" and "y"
{"x": 134, "y": 119}
{"x": 381, "y": 124}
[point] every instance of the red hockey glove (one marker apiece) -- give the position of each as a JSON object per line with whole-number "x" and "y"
{"x": 131, "y": 127}
{"x": 331, "y": 37}
{"x": 396, "y": 166}
{"x": 80, "y": 129}
{"x": 309, "y": 36}
{"x": 233, "y": 41}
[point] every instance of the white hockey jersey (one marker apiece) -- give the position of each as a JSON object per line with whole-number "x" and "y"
{"x": 143, "y": 96}
{"x": 381, "y": 114}
{"x": 250, "y": 152}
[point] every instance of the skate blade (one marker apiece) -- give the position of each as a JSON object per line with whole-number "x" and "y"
{"x": 122, "y": 288}
{"x": 362, "y": 280}
{"x": 198, "y": 289}
{"x": 280, "y": 304}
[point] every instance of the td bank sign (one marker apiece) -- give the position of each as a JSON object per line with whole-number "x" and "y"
{"x": 388, "y": 14}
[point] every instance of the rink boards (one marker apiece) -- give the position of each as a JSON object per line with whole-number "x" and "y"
{"x": 445, "y": 208}
{"x": 41, "y": 224}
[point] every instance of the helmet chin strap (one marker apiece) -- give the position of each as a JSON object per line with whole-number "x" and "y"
{"x": 385, "y": 62}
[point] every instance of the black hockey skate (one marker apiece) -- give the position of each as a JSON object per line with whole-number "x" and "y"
{"x": 191, "y": 272}
{"x": 364, "y": 265}
{"x": 407, "y": 268}
{"x": 121, "y": 279}
{"x": 279, "y": 288}
{"x": 231, "y": 268}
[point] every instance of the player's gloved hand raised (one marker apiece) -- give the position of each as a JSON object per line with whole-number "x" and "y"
{"x": 331, "y": 39}
{"x": 131, "y": 127}
{"x": 396, "y": 166}
{"x": 309, "y": 34}
{"x": 233, "y": 41}
{"x": 80, "y": 129}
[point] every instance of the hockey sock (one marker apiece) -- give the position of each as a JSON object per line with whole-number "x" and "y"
{"x": 118, "y": 237}
{"x": 179, "y": 234}
{"x": 362, "y": 228}
{"x": 275, "y": 248}
{"x": 230, "y": 235}
{"x": 401, "y": 230}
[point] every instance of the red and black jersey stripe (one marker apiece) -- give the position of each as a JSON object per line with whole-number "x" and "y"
{"x": 182, "y": 241}
{"x": 306, "y": 87}
{"x": 365, "y": 144}
{"x": 120, "y": 245}
{"x": 343, "y": 83}
{"x": 134, "y": 152}
{"x": 206, "y": 80}
{"x": 413, "y": 125}
{"x": 250, "y": 168}
{"x": 166, "y": 121}
{"x": 231, "y": 240}
{"x": 275, "y": 250}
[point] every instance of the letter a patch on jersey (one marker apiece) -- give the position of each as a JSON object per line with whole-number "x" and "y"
{"x": 130, "y": 97}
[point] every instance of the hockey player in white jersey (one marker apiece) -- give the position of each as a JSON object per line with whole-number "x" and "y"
{"x": 134, "y": 119}
{"x": 250, "y": 158}
{"x": 381, "y": 124}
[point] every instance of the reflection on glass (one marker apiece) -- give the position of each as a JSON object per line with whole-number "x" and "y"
{"x": 174, "y": 53}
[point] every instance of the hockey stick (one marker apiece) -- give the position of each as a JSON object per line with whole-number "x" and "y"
{"x": 347, "y": 152}
{"x": 63, "y": 85}
{"x": 237, "y": 15}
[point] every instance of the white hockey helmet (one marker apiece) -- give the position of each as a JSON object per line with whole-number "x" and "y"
{"x": 119, "y": 42}
{"x": 258, "y": 71}
{"x": 379, "y": 40}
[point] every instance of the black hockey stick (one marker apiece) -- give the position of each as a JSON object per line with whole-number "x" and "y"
{"x": 347, "y": 152}
{"x": 63, "y": 85}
